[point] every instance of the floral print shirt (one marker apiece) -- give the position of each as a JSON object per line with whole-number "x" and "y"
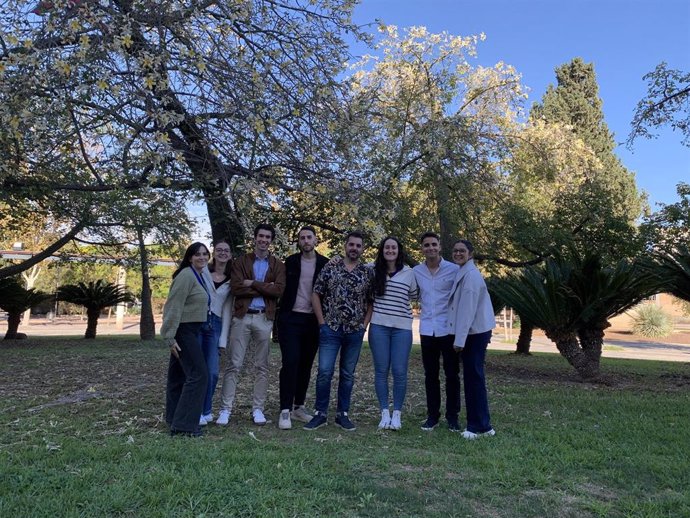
{"x": 345, "y": 295}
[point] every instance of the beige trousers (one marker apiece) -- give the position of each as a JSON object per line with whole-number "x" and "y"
{"x": 255, "y": 329}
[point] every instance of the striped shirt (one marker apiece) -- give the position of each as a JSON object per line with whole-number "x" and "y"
{"x": 392, "y": 309}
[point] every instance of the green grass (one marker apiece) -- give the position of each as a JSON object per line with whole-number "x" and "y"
{"x": 81, "y": 434}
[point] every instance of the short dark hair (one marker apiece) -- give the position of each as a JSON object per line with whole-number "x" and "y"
{"x": 354, "y": 233}
{"x": 265, "y": 226}
{"x": 307, "y": 227}
{"x": 470, "y": 247}
{"x": 429, "y": 234}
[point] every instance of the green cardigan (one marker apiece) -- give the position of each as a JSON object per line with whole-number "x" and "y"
{"x": 187, "y": 302}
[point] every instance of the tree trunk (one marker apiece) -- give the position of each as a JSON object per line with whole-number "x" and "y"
{"x": 91, "y": 322}
{"x": 525, "y": 338}
{"x": 569, "y": 347}
{"x": 13, "y": 321}
{"x": 447, "y": 227}
{"x": 224, "y": 221}
{"x": 147, "y": 325}
{"x": 592, "y": 342}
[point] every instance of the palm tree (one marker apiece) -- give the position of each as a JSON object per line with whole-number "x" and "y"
{"x": 573, "y": 298}
{"x": 95, "y": 297}
{"x": 15, "y": 299}
{"x": 673, "y": 269}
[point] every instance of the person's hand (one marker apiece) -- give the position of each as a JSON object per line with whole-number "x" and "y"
{"x": 175, "y": 350}
{"x": 247, "y": 283}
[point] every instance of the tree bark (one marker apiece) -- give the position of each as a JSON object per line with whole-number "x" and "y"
{"x": 13, "y": 321}
{"x": 525, "y": 338}
{"x": 569, "y": 347}
{"x": 592, "y": 342}
{"x": 91, "y": 322}
{"x": 147, "y": 324}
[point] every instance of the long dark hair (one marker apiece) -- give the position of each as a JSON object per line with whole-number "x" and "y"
{"x": 381, "y": 267}
{"x": 212, "y": 262}
{"x": 189, "y": 253}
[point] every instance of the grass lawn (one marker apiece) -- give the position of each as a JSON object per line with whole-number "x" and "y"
{"x": 82, "y": 434}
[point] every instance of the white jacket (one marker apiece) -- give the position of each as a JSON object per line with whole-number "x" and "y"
{"x": 470, "y": 310}
{"x": 221, "y": 305}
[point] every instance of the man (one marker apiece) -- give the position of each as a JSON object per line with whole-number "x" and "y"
{"x": 435, "y": 277}
{"x": 257, "y": 280}
{"x": 298, "y": 329}
{"x": 342, "y": 304}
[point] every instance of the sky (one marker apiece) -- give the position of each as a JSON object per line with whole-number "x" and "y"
{"x": 624, "y": 39}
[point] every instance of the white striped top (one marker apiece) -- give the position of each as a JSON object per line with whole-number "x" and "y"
{"x": 393, "y": 308}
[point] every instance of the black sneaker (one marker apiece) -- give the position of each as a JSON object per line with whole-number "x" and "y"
{"x": 453, "y": 425}
{"x": 344, "y": 422}
{"x": 430, "y": 424}
{"x": 317, "y": 421}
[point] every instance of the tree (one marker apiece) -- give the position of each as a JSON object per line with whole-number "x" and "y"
{"x": 95, "y": 297}
{"x": 669, "y": 227}
{"x": 572, "y": 298}
{"x": 15, "y": 299}
{"x": 100, "y": 101}
{"x": 433, "y": 128}
{"x": 609, "y": 203}
{"x": 667, "y": 103}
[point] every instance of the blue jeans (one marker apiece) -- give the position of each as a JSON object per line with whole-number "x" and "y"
{"x": 209, "y": 336}
{"x": 476, "y": 399}
{"x": 390, "y": 350}
{"x": 349, "y": 345}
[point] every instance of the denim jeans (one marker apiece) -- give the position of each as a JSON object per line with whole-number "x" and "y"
{"x": 187, "y": 380}
{"x": 476, "y": 399}
{"x": 299, "y": 340}
{"x": 390, "y": 350}
{"x": 208, "y": 336}
{"x": 349, "y": 345}
{"x": 433, "y": 348}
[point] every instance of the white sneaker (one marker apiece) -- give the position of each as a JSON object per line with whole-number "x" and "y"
{"x": 472, "y": 436}
{"x": 203, "y": 421}
{"x": 223, "y": 417}
{"x": 300, "y": 414}
{"x": 258, "y": 416}
{"x": 396, "y": 423}
{"x": 208, "y": 417}
{"x": 385, "y": 422}
{"x": 284, "y": 422}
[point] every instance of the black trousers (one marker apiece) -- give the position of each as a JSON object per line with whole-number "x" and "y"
{"x": 433, "y": 348}
{"x": 187, "y": 381}
{"x": 298, "y": 334}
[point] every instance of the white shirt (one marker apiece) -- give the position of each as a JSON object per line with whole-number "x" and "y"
{"x": 434, "y": 295}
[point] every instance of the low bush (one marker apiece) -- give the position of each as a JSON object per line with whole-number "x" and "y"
{"x": 651, "y": 321}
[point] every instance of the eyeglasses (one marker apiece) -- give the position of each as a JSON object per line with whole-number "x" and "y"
{"x": 222, "y": 250}
{"x": 455, "y": 251}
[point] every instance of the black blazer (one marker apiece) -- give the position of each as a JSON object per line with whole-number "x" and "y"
{"x": 293, "y": 268}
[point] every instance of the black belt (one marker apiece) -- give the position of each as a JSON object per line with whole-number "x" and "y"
{"x": 255, "y": 311}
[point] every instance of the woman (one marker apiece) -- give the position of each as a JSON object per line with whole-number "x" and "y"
{"x": 471, "y": 319}
{"x": 185, "y": 311}
{"x": 390, "y": 332}
{"x": 214, "y": 334}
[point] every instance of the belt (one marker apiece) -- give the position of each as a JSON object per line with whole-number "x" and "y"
{"x": 255, "y": 311}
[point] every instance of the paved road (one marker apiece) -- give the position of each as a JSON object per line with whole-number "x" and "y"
{"x": 612, "y": 348}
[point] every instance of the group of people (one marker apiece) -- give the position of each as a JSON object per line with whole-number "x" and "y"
{"x": 325, "y": 306}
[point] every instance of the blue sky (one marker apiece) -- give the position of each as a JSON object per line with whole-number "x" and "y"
{"x": 624, "y": 39}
